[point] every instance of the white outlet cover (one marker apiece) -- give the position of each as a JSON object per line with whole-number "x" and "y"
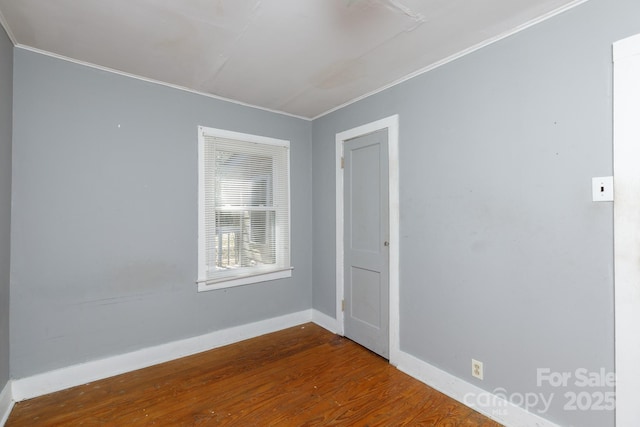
{"x": 602, "y": 188}
{"x": 477, "y": 370}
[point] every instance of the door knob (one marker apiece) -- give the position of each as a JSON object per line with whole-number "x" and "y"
{"x": 386, "y": 243}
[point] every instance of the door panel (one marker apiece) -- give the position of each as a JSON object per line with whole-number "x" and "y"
{"x": 366, "y": 222}
{"x": 365, "y": 199}
{"x": 365, "y": 298}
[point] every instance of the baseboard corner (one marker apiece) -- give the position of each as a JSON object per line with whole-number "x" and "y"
{"x": 6, "y": 402}
{"x": 324, "y": 321}
{"x": 71, "y": 376}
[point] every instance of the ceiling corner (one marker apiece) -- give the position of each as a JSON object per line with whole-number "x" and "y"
{"x": 7, "y": 29}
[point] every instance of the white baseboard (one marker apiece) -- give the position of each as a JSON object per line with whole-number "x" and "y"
{"x": 6, "y": 403}
{"x": 324, "y": 321}
{"x": 493, "y": 406}
{"x": 497, "y": 408}
{"x": 60, "y": 379}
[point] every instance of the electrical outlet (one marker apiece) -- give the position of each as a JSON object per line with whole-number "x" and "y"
{"x": 476, "y": 369}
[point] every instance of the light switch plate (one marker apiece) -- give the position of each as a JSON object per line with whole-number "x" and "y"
{"x": 602, "y": 188}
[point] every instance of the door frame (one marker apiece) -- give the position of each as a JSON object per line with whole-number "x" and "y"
{"x": 390, "y": 123}
{"x": 626, "y": 156}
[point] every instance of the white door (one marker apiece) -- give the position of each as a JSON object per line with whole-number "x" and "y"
{"x": 366, "y": 241}
{"x": 626, "y": 168}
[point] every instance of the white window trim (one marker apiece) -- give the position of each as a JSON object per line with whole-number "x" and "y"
{"x": 202, "y": 282}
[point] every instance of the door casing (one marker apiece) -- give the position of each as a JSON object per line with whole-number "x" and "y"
{"x": 390, "y": 123}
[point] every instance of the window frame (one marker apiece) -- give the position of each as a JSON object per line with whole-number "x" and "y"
{"x": 262, "y": 273}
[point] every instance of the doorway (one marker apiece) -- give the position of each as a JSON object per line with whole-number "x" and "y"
{"x": 389, "y": 128}
{"x": 366, "y": 245}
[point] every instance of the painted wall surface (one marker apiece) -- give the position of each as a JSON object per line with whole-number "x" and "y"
{"x": 6, "y": 101}
{"x": 104, "y": 237}
{"x": 504, "y": 257}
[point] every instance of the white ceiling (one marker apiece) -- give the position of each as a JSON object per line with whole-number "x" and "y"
{"x": 302, "y": 57}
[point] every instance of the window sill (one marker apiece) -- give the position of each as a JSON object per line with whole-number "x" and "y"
{"x": 231, "y": 282}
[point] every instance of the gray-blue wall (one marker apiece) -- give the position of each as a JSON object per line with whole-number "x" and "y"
{"x": 104, "y": 232}
{"x": 503, "y": 256}
{"x": 6, "y": 104}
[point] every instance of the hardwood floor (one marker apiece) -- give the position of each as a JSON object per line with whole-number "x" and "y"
{"x": 302, "y": 376}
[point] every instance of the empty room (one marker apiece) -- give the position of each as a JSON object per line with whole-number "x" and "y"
{"x": 320, "y": 212}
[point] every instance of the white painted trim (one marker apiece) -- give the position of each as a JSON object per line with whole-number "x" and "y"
{"x": 7, "y": 29}
{"x": 493, "y": 406}
{"x": 241, "y": 281}
{"x": 390, "y": 123}
{"x": 339, "y": 234}
{"x": 202, "y": 240}
{"x": 149, "y": 80}
{"x": 49, "y": 382}
{"x": 460, "y": 54}
{"x": 324, "y": 321}
{"x": 6, "y": 403}
{"x": 626, "y": 157}
{"x": 626, "y": 48}
{"x": 229, "y": 134}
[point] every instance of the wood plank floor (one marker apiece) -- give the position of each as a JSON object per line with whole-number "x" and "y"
{"x": 302, "y": 376}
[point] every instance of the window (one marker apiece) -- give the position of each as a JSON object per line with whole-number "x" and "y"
{"x": 243, "y": 209}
